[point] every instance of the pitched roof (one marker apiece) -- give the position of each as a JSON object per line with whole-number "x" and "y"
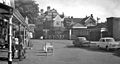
{"x": 73, "y": 20}
{"x": 77, "y": 20}
{"x": 86, "y": 19}
{"x": 99, "y": 25}
{"x": 78, "y": 25}
{"x": 58, "y": 18}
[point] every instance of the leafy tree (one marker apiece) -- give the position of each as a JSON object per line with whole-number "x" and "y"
{"x": 28, "y": 8}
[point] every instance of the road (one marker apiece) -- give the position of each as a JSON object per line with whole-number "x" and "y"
{"x": 66, "y": 53}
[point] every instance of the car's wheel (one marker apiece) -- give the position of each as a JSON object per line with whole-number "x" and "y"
{"x": 88, "y": 45}
{"x": 107, "y": 48}
{"x": 98, "y": 46}
{"x": 76, "y": 45}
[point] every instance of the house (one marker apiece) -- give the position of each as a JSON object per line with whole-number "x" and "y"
{"x": 97, "y": 31}
{"x": 53, "y": 23}
{"x": 50, "y": 14}
{"x": 58, "y": 26}
{"x": 58, "y": 21}
{"x": 78, "y": 29}
{"x": 113, "y": 24}
{"x": 80, "y": 26}
{"x": 89, "y": 21}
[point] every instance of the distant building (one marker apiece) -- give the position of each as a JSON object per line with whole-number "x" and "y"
{"x": 58, "y": 21}
{"x": 113, "y": 24}
{"x": 79, "y": 26}
{"x": 89, "y": 21}
{"x": 32, "y": 27}
{"x": 53, "y": 23}
{"x": 50, "y": 14}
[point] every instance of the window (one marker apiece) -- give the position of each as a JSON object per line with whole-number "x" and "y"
{"x": 102, "y": 40}
{"x": 109, "y": 40}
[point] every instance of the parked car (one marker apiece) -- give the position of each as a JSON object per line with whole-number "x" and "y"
{"x": 108, "y": 43}
{"x": 81, "y": 41}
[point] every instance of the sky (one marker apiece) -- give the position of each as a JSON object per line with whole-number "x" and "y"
{"x": 82, "y": 8}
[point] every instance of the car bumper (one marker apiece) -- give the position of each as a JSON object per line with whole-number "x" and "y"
{"x": 114, "y": 47}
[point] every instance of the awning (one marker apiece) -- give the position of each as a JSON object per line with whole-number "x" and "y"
{"x": 20, "y": 18}
{"x": 5, "y": 10}
{"x": 5, "y": 7}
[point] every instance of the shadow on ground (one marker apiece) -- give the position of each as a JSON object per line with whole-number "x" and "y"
{"x": 117, "y": 53}
{"x": 3, "y": 59}
{"x": 95, "y": 49}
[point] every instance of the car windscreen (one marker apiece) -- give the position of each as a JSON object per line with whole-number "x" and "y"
{"x": 102, "y": 40}
{"x": 109, "y": 40}
{"x": 82, "y": 38}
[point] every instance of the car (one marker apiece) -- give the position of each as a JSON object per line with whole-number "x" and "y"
{"x": 108, "y": 43}
{"x": 81, "y": 41}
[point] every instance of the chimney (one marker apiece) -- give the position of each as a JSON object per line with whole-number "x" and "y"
{"x": 92, "y": 15}
{"x": 71, "y": 17}
{"x": 41, "y": 10}
{"x": 48, "y": 8}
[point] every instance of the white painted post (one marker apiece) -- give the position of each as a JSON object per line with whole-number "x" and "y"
{"x": 70, "y": 32}
{"x": 10, "y": 41}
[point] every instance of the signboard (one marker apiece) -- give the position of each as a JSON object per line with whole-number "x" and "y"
{"x": 103, "y": 29}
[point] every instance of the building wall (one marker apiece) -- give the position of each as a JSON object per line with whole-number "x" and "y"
{"x": 116, "y": 28}
{"x": 94, "y": 35}
{"x": 79, "y": 32}
{"x": 110, "y": 26}
{"x": 113, "y": 24}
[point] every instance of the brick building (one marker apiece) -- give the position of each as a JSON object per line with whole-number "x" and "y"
{"x": 113, "y": 24}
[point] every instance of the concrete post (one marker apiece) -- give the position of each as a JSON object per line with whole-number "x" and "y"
{"x": 70, "y": 33}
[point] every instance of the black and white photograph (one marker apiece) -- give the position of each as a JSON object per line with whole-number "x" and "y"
{"x": 59, "y": 31}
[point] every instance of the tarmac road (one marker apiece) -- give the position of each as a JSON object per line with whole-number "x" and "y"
{"x": 66, "y": 53}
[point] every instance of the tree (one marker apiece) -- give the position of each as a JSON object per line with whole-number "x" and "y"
{"x": 28, "y": 8}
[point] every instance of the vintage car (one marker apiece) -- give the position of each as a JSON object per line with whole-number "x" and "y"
{"x": 108, "y": 43}
{"x": 81, "y": 41}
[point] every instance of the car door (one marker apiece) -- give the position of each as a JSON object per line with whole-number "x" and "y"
{"x": 102, "y": 43}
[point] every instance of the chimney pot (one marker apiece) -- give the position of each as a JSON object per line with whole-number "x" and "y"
{"x": 92, "y": 15}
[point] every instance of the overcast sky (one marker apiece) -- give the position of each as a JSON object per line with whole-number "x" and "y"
{"x": 81, "y": 8}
